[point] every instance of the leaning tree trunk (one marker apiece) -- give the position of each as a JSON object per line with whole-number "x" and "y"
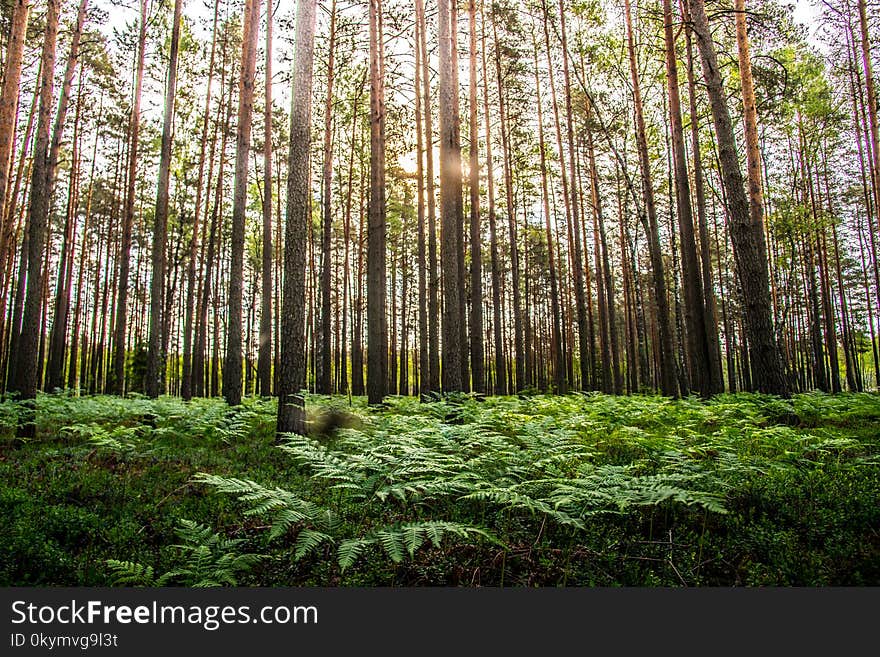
{"x": 24, "y": 381}
{"x": 8, "y": 110}
{"x": 698, "y": 351}
{"x": 716, "y": 375}
{"x": 746, "y": 225}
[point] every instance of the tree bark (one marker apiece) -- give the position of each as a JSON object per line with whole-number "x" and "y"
{"x": 291, "y": 410}
{"x": 476, "y": 293}
{"x": 155, "y": 375}
{"x": 25, "y": 379}
{"x": 118, "y": 378}
{"x": 668, "y": 384}
{"x": 324, "y": 379}
{"x": 377, "y": 323}
{"x": 264, "y": 355}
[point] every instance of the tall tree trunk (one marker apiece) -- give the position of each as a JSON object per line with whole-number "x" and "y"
{"x": 291, "y": 410}
{"x": 556, "y": 344}
{"x": 118, "y": 379}
{"x": 476, "y": 316}
{"x": 8, "y": 110}
{"x": 187, "y": 382}
{"x": 519, "y": 352}
{"x": 500, "y": 380}
{"x": 716, "y": 375}
{"x": 581, "y": 301}
{"x": 746, "y": 226}
{"x": 698, "y": 350}
{"x": 433, "y": 274}
{"x": 155, "y": 375}
{"x": 327, "y": 217}
{"x": 232, "y": 366}
{"x": 264, "y": 355}
{"x": 377, "y": 323}
{"x": 668, "y": 385}
{"x": 450, "y": 200}
{"x": 25, "y": 379}
{"x": 424, "y": 359}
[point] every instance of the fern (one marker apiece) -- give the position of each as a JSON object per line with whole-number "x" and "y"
{"x": 207, "y": 560}
{"x": 129, "y": 573}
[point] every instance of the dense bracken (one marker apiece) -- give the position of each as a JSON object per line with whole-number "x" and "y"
{"x": 582, "y": 489}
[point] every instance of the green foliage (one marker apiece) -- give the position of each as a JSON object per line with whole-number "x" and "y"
{"x": 589, "y": 489}
{"x": 206, "y": 559}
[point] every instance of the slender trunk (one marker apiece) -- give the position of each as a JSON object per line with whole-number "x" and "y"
{"x": 450, "y": 199}
{"x": 232, "y": 366}
{"x": 668, "y": 385}
{"x": 327, "y": 217}
{"x": 264, "y": 355}
{"x": 155, "y": 374}
{"x": 476, "y": 315}
{"x": 699, "y": 349}
{"x": 377, "y": 323}
{"x": 500, "y": 381}
{"x": 8, "y": 110}
{"x": 424, "y": 360}
{"x": 519, "y": 352}
{"x": 25, "y": 379}
{"x": 556, "y": 344}
{"x": 118, "y": 379}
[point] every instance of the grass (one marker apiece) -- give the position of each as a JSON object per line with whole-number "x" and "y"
{"x": 535, "y": 491}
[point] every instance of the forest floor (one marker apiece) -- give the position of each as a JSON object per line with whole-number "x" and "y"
{"x": 539, "y": 490}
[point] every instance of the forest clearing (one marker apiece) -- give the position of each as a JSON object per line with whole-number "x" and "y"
{"x": 574, "y": 490}
{"x": 439, "y": 292}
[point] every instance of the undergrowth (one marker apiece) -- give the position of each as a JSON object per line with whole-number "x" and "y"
{"x": 589, "y": 489}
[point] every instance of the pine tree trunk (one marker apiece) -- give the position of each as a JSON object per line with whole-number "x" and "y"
{"x": 154, "y": 383}
{"x": 119, "y": 339}
{"x": 746, "y": 226}
{"x": 500, "y": 380}
{"x": 699, "y": 350}
{"x": 476, "y": 291}
{"x": 519, "y": 353}
{"x": 264, "y": 355}
{"x": 450, "y": 199}
{"x": 668, "y": 385}
{"x": 8, "y": 110}
{"x": 324, "y": 383}
{"x": 232, "y": 367}
{"x": 556, "y": 344}
{"x": 716, "y": 376}
{"x": 25, "y": 379}
{"x": 291, "y": 410}
{"x": 424, "y": 355}
{"x": 377, "y": 324}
